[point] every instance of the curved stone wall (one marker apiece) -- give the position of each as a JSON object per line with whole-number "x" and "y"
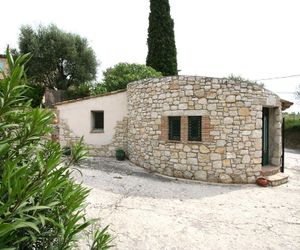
{"x": 231, "y": 146}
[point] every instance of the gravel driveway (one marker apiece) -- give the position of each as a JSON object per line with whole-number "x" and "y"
{"x": 146, "y": 211}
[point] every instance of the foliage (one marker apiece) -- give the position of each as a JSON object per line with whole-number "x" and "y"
{"x": 59, "y": 59}
{"x": 99, "y": 88}
{"x": 41, "y": 206}
{"x": 121, "y": 74}
{"x": 292, "y": 122}
{"x": 162, "y": 54}
{"x": 35, "y": 93}
{"x": 80, "y": 91}
{"x": 102, "y": 240}
{"x": 239, "y": 78}
{"x": 120, "y": 154}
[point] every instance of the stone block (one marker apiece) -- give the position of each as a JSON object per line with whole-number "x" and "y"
{"x": 183, "y": 106}
{"x": 204, "y": 149}
{"x": 202, "y": 101}
{"x": 225, "y": 178}
{"x": 187, "y": 175}
{"x": 220, "y": 150}
{"x": 246, "y": 159}
{"x": 226, "y": 163}
{"x": 178, "y": 174}
{"x": 192, "y": 161}
{"x": 257, "y": 134}
{"x": 199, "y": 93}
{"x": 214, "y": 156}
{"x": 228, "y": 120}
{"x": 211, "y": 95}
{"x": 211, "y": 107}
{"x": 244, "y": 112}
{"x": 217, "y": 164}
{"x": 187, "y": 148}
{"x": 220, "y": 143}
{"x": 230, "y": 155}
{"x": 200, "y": 175}
{"x": 230, "y": 98}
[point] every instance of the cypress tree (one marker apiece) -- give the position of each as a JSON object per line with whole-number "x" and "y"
{"x": 162, "y": 55}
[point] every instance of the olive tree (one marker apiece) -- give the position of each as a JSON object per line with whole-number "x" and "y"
{"x": 58, "y": 59}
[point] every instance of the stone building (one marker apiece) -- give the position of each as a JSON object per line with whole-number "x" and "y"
{"x": 200, "y": 128}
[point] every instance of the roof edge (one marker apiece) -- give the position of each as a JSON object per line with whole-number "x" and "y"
{"x": 285, "y": 104}
{"x": 90, "y": 97}
{"x": 193, "y": 77}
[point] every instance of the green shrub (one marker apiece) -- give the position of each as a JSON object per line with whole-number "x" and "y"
{"x": 292, "y": 122}
{"x": 120, "y": 154}
{"x": 101, "y": 240}
{"x": 35, "y": 93}
{"x": 121, "y": 74}
{"x": 66, "y": 151}
{"x": 100, "y": 88}
{"x": 80, "y": 91}
{"x": 239, "y": 78}
{"x": 41, "y": 206}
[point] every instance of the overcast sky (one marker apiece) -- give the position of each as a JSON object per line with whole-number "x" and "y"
{"x": 256, "y": 39}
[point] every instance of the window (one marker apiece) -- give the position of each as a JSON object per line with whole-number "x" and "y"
{"x": 1, "y": 66}
{"x": 174, "y": 128}
{"x": 97, "y": 121}
{"x": 194, "y": 128}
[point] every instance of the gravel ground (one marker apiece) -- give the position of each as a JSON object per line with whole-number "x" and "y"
{"x": 146, "y": 211}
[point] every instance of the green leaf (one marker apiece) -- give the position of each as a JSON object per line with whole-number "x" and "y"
{"x": 4, "y": 148}
{"x": 7, "y": 228}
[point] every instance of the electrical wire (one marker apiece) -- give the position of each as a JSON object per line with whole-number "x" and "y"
{"x": 278, "y": 77}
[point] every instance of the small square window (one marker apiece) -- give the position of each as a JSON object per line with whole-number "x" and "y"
{"x": 194, "y": 128}
{"x": 174, "y": 128}
{"x": 97, "y": 121}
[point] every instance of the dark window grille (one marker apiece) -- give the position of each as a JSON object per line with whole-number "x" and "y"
{"x": 174, "y": 128}
{"x": 98, "y": 120}
{"x": 194, "y": 128}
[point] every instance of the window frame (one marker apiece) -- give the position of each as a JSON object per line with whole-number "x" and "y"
{"x": 93, "y": 121}
{"x": 171, "y": 136}
{"x": 189, "y": 121}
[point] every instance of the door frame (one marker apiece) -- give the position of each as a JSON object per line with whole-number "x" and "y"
{"x": 265, "y": 136}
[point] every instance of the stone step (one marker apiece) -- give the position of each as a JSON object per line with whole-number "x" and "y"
{"x": 269, "y": 170}
{"x": 277, "y": 179}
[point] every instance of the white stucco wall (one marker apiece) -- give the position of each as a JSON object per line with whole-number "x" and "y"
{"x": 78, "y": 116}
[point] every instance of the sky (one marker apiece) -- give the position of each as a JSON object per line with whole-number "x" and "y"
{"x": 256, "y": 39}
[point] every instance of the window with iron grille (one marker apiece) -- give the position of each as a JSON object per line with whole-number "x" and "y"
{"x": 194, "y": 128}
{"x": 97, "y": 121}
{"x": 174, "y": 128}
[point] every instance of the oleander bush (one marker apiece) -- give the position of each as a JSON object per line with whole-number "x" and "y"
{"x": 41, "y": 206}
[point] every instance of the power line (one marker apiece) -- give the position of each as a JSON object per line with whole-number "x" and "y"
{"x": 278, "y": 77}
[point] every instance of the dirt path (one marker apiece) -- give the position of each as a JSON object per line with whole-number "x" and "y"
{"x": 145, "y": 211}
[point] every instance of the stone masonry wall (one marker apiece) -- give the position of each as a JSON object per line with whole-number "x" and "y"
{"x": 231, "y": 146}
